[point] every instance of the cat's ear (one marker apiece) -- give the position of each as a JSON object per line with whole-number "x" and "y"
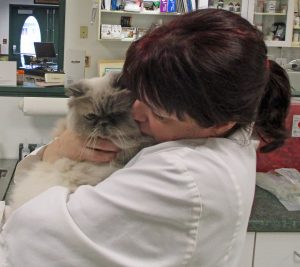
{"x": 124, "y": 98}
{"x": 77, "y": 89}
{"x": 117, "y": 80}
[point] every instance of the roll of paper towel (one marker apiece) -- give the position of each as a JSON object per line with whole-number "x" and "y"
{"x": 44, "y": 106}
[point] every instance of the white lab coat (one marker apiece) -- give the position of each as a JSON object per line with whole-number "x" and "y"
{"x": 179, "y": 203}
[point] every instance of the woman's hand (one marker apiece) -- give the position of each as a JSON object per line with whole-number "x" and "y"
{"x": 74, "y": 147}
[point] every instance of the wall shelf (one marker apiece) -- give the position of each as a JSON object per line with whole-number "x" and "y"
{"x": 151, "y": 13}
{"x": 269, "y": 14}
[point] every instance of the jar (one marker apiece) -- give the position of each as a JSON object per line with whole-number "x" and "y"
{"x": 296, "y": 37}
{"x": 220, "y": 4}
{"x": 260, "y": 6}
{"x": 271, "y": 6}
{"x": 230, "y": 7}
{"x": 297, "y": 21}
{"x": 237, "y": 7}
{"x": 20, "y": 77}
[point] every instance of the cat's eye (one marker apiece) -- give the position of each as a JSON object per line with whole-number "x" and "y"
{"x": 90, "y": 116}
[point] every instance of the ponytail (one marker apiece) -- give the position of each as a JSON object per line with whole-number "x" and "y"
{"x": 273, "y": 109}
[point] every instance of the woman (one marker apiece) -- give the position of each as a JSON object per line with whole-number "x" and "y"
{"x": 204, "y": 89}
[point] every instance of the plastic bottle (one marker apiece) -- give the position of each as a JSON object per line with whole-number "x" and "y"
{"x": 237, "y": 7}
{"x": 220, "y": 4}
{"x": 271, "y": 6}
{"x": 20, "y": 77}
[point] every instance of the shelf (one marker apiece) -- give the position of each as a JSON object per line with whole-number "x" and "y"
{"x": 276, "y": 43}
{"x": 140, "y": 13}
{"x": 269, "y": 14}
{"x": 295, "y": 44}
{"x": 116, "y": 40}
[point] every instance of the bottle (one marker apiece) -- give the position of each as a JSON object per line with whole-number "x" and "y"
{"x": 260, "y": 6}
{"x": 230, "y": 7}
{"x": 20, "y": 77}
{"x": 237, "y": 7}
{"x": 271, "y": 6}
{"x": 220, "y": 4}
{"x": 296, "y": 37}
{"x": 296, "y": 20}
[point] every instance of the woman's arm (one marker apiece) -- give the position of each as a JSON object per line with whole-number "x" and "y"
{"x": 129, "y": 219}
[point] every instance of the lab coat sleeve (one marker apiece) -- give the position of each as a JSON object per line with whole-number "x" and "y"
{"x": 143, "y": 215}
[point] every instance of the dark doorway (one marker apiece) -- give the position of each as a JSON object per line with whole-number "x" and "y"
{"x": 35, "y": 23}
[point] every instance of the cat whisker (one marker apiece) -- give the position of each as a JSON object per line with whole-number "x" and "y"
{"x": 92, "y": 139}
{"x": 121, "y": 136}
{"x": 89, "y": 142}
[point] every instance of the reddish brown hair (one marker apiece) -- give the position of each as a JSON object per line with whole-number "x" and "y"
{"x": 211, "y": 64}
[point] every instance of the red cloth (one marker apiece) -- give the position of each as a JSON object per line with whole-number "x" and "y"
{"x": 287, "y": 156}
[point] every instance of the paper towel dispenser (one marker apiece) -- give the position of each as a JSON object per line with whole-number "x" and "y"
{"x": 44, "y": 106}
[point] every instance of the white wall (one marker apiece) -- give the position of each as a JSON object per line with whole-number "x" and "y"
{"x": 78, "y": 13}
{"x": 17, "y": 128}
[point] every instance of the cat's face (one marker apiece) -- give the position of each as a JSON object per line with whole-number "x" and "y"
{"x": 98, "y": 108}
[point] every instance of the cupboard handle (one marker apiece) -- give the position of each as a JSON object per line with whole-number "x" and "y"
{"x": 296, "y": 256}
{"x": 296, "y": 253}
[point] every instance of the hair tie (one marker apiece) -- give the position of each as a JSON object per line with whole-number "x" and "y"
{"x": 267, "y": 64}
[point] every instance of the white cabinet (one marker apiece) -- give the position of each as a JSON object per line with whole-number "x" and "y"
{"x": 277, "y": 250}
{"x": 275, "y": 19}
{"x": 247, "y": 253}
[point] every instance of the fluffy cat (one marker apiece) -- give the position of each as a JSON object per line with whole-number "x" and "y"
{"x": 98, "y": 107}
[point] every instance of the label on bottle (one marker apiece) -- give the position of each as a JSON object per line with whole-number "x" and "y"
{"x": 271, "y": 6}
{"x": 296, "y": 126}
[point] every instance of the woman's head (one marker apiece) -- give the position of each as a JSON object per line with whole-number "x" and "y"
{"x": 209, "y": 64}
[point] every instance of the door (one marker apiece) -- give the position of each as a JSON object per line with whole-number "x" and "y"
{"x": 21, "y": 19}
{"x": 277, "y": 250}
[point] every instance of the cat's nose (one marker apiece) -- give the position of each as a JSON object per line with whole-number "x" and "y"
{"x": 104, "y": 124}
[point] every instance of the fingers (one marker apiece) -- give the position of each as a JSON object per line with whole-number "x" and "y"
{"x": 74, "y": 147}
{"x": 104, "y": 145}
{"x": 99, "y": 156}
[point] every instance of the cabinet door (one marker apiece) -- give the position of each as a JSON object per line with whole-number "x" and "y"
{"x": 277, "y": 250}
{"x": 275, "y": 19}
{"x": 247, "y": 254}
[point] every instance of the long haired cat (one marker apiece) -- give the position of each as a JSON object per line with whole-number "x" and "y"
{"x": 98, "y": 107}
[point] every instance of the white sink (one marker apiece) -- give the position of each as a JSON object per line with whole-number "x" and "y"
{"x": 295, "y": 81}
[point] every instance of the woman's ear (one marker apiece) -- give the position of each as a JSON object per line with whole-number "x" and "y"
{"x": 222, "y": 129}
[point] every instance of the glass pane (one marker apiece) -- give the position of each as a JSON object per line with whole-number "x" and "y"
{"x": 231, "y": 5}
{"x": 30, "y": 33}
{"x": 271, "y": 18}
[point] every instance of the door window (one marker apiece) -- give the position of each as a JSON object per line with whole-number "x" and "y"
{"x": 25, "y": 19}
{"x": 31, "y": 33}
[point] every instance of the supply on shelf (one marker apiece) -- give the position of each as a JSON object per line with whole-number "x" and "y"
{"x": 20, "y": 77}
